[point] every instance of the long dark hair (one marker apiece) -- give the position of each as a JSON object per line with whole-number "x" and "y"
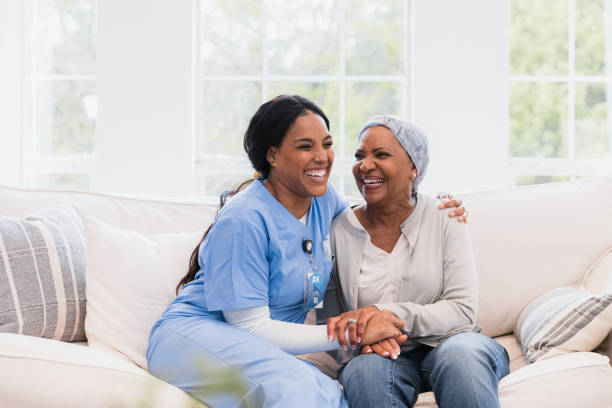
{"x": 267, "y": 128}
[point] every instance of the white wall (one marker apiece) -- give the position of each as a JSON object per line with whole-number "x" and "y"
{"x": 460, "y": 93}
{"x": 145, "y": 110}
{"x": 11, "y": 72}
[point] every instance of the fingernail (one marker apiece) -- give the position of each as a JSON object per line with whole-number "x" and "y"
{"x": 345, "y": 348}
{"x": 369, "y": 351}
{"x": 358, "y": 339}
{"x": 386, "y": 354}
{"x": 393, "y": 357}
{"x": 330, "y": 338}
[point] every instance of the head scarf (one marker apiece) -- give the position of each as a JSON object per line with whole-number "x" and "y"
{"x": 412, "y": 139}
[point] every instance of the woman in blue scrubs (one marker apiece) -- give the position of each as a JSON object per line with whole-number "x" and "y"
{"x": 262, "y": 265}
{"x": 255, "y": 255}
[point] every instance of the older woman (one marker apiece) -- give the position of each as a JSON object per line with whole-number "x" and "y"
{"x": 399, "y": 253}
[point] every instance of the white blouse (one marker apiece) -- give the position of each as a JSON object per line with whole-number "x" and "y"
{"x": 380, "y": 277}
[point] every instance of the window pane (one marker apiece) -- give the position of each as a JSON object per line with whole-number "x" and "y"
{"x": 227, "y": 109}
{"x": 350, "y": 187}
{"x": 590, "y": 37}
{"x": 364, "y": 99}
{"x": 231, "y": 32}
{"x": 214, "y": 185}
{"x": 538, "y": 119}
{"x": 65, "y": 35}
{"x": 63, "y": 124}
{"x": 324, "y": 94}
{"x": 374, "y": 37}
{"x": 592, "y": 120}
{"x": 539, "y": 37}
{"x": 528, "y": 180}
{"x": 302, "y": 37}
{"x": 344, "y": 183}
{"x": 63, "y": 181}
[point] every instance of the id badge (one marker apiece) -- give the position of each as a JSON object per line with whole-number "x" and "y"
{"x": 313, "y": 286}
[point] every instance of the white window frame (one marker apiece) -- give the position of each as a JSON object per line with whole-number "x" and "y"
{"x": 34, "y": 163}
{"x": 218, "y": 164}
{"x": 569, "y": 166}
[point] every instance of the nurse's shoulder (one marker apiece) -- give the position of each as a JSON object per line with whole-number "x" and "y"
{"x": 246, "y": 206}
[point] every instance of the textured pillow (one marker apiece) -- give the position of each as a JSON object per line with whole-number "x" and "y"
{"x": 42, "y": 274}
{"x": 564, "y": 320}
{"x": 131, "y": 278}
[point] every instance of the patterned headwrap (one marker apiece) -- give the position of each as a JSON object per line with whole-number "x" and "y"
{"x": 412, "y": 139}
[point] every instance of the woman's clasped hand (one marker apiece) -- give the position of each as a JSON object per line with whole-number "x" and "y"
{"x": 367, "y": 326}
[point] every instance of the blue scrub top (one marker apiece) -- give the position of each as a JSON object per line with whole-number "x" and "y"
{"x": 253, "y": 256}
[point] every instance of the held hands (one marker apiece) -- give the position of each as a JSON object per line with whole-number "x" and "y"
{"x": 449, "y": 202}
{"x": 382, "y": 325}
{"x": 386, "y": 348}
{"x": 367, "y": 325}
{"x": 336, "y": 326}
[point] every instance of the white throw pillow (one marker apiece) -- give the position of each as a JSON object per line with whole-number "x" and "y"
{"x": 564, "y": 320}
{"x": 131, "y": 279}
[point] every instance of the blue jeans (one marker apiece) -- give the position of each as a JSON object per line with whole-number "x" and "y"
{"x": 462, "y": 371}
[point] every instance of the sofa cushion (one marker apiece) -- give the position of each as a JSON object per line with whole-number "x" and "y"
{"x": 515, "y": 351}
{"x": 529, "y": 240}
{"x": 148, "y": 216}
{"x": 598, "y": 279}
{"x": 566, "y": 381}
{"x": 47, "y": 373}
{"x": 42, "y": 274}
{"x": 564, "y": 320}
{"x": 131, "y": 278}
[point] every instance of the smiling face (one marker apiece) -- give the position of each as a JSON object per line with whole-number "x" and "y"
{"x": 383, "y": 170}
{"x": 300, "y": 166}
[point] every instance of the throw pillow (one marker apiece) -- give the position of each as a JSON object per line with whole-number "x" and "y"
{"x": 564, "y": 320}
{"x": 131, "y": 279}
{"x": 42, "y": 274}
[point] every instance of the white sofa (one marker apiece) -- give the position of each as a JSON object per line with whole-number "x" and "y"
{"x": 526, "y": 240}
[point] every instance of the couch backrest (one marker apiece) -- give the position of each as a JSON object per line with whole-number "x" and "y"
{"x": 528, "y": 240}
{"x": 142, "y": 215}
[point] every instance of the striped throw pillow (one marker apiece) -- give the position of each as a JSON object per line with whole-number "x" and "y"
{"x": 42, "y": 274}
{"x": 564, "y": 320}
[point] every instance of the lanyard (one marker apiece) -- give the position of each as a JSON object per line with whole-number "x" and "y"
{"x": 313, "y": 279}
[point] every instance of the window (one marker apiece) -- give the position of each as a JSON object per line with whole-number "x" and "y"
{"x": 348, "y": 56}
{"x": 60, "y": 108}
{"x": 561, "y": 76}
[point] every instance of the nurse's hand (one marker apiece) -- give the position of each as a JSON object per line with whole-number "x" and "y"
{"x": 383, "y": 324}
{"x": 336, "y": 326}
{"x": 449, "y": 202}
{"x": 386, "y": 348}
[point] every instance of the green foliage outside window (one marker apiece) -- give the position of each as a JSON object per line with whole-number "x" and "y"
{"x": 539, "y": 45}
